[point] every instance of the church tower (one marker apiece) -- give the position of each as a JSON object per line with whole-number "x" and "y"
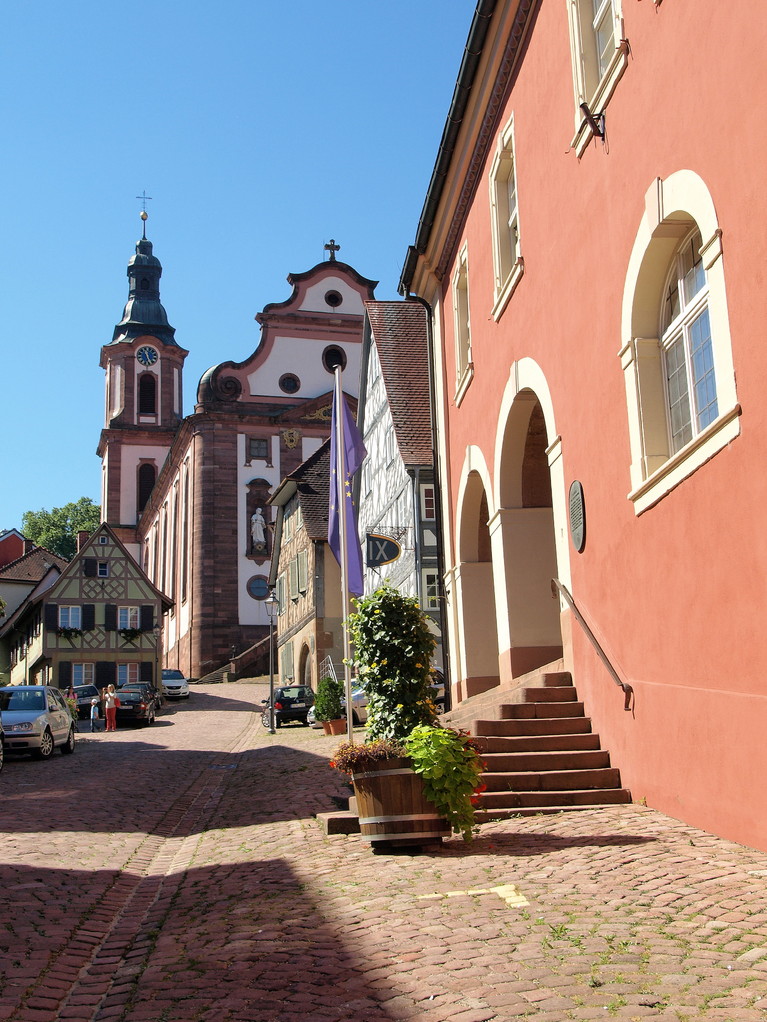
{"x": 143, "y": 399}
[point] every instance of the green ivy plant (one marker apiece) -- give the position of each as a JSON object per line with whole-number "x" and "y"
{"x": 451, "y": 769}
{"x": 392, "y": 652}
{"x": 327, "y": 705}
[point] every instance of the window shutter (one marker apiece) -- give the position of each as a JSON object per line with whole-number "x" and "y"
{"x": 89, "y": 567}
{"x": 65, "y": 673}
{"x": 89, "y": 617}
{"x": 146, "y": 670}
{"x": 51, "y": 617}
{"x": 303, "y": 570}
{"x": 147, "y": 617}
{"x": 293, "y": 592}
{"x": 106, "y": 673}
{"x": 110, "y": 617}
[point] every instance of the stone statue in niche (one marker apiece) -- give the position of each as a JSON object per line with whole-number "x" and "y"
{"x": 258, "y": 532}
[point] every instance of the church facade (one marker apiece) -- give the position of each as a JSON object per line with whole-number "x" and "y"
{"x": 189, "y": 495}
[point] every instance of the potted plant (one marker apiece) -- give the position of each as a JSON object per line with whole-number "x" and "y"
{"x": 413, "y": 780}
{"x": 328, "y": 708}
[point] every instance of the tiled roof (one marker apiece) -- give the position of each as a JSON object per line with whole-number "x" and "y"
{"x": 312, "y": 478}
{"x": 399, "y": 334}
{"x": 31, "y": 567}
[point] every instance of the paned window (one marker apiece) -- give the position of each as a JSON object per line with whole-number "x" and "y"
{"x": 83, "y": 674}
{"x": 429, "y": 589}
{"x": 103, "y": 569}
{"x": 507, "y": 260}
{"x": 462, "y": 324}
{"x": 428, "y": 506}
{"x": 688, "y": 351}
{"x": 600, "y": 57}
{"x": 127, "y": 674}
{"x": 127, "y": 617}
{"x": 70, "y": 617}
{"x": 258, "y": 447}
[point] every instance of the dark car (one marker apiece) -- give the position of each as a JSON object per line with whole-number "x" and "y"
{"x": 138, "y": 704}
{"x": 291, "y": 702}
{"x": 83, "y": 695}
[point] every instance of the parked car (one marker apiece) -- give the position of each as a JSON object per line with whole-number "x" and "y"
{"x": 36, "y": 719}
{"x": 359, "y": 709}
{"x": 291, "y": 703}
{"x": 2, "y": 746}
{"x": 83, "y": 695}
{"x": 437, "y": 688}
{"x": 138, "y": 704}
{"x": 174, "y": 684}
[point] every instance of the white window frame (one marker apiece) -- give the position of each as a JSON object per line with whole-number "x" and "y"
{"x": 70, "y": 616}
{"x": 428, "y": 488}
{"x": 590, "y": 85}
{"x": 673, "y": 207}
{"x": 83, "y": 673}
{"x": 102, "y": 570}
{"x": 504, "y": 219}
{"x": 128, "y": 674}
{"x": 464, "y": 366}
{"x": 429, "y": 589}
{"x": 127, "y": 617}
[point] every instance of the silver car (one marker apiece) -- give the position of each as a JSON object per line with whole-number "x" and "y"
{"x": 36, "y": 719}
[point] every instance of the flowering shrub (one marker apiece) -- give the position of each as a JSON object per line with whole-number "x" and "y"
{"x": 392, "y": 653}
{"x": 350, "y": 758}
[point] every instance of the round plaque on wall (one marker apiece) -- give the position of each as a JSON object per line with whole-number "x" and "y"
{"x": 577, "y": 516}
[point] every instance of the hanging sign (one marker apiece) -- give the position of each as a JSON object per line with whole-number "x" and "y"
{"x": 381, "y": 550}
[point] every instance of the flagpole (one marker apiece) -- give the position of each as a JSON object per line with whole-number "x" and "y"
{"x": 341, "y": 499}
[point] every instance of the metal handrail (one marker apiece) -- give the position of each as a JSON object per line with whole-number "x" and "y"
{"x": 556, "y": 588}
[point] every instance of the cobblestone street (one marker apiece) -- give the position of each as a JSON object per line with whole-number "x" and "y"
{"x": 177, "y": 873}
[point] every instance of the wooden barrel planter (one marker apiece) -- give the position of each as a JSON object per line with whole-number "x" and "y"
{"x": 392, "y": 807}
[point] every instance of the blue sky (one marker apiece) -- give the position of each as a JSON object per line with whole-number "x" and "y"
{"x": 260, "y": 129}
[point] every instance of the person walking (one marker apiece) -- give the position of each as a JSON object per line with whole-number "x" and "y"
{"x": 111, "y": 702}
{"x": 95, "y": 715}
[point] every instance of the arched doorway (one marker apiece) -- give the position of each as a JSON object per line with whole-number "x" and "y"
{"x": 475, "y": 591}
{"x": 304, "y": 667}
{"x": 526, "y": 536}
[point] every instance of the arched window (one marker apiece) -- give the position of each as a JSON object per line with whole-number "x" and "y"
{"x": 147, "y": 394}
{"x": 676, "y": 353}
{"x": 147, "y": 474}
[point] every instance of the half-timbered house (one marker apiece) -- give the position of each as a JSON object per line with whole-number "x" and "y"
{"x": 97, "y": 622}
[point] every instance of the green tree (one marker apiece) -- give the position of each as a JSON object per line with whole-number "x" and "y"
{"x": 57, "y": 530}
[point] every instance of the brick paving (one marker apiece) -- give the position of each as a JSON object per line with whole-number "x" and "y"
{"x": 177, "y": 874}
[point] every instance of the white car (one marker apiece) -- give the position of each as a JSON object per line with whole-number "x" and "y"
{"x": 174, "y": 684}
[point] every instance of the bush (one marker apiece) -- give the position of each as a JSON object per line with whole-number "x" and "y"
{"x": 327, "y": 705}
{"x": 392, "y": 653}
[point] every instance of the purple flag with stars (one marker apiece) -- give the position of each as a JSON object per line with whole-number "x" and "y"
{"x": 341, "y": 495}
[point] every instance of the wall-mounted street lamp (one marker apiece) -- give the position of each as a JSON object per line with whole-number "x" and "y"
{"x": 272, "y": 607}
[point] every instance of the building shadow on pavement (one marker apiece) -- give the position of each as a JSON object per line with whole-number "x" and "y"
{"x": 232, "y": 941}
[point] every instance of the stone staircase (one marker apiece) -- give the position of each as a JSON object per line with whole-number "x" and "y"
{"x": 540, "y": 751}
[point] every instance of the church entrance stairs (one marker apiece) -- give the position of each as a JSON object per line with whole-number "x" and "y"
{"x": 540, "y": 751}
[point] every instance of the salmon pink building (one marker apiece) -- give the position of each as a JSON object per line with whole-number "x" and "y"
{"x": 592, "y": 247}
